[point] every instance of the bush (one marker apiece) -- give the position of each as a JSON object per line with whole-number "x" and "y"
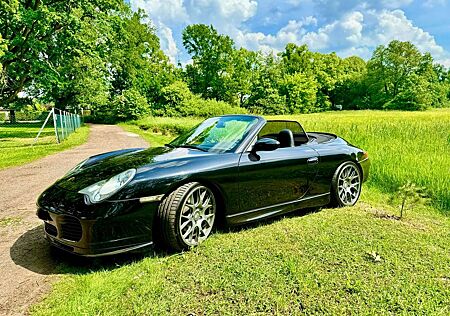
{"x": 271, "y": 104}
{"x": 167, "y": 125}
{"x": 178, "y": 101}
{"x": 130, "y": 105}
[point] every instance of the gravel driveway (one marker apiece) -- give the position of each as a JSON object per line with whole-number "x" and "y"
{"x": 26, "y": 266}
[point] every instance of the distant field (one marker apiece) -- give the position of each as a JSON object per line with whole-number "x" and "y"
{"x": 15, "y": 143}
{"x": 402, "y": 146}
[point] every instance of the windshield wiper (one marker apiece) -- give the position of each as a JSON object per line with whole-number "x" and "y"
{"x": 189, "y": 146}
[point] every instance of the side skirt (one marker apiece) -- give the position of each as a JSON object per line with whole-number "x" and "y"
{"x": 278, "y": 209}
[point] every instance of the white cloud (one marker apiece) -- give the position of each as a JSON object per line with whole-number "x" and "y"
{"x": 290, "y": 33}
{"x": 348, "y": 27}
{"x": 167, "y": 15}
{"x": 394, "y": 4}
{"x": 168, "y": 43}
{"x": 435, "y": 3}
{"x": 344, "y": 32}
{"x": 162, "y": 10}
{"x": 394, "y": 25}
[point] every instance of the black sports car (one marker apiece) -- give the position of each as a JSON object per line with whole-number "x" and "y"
{"x": 233, "y": 168}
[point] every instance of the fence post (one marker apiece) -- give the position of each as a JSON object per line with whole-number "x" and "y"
{"x": 61, "y": 124}
{"x": 65, "y": 123}
{"x": 55, "y": 125}
{"x": 42, "y": 127}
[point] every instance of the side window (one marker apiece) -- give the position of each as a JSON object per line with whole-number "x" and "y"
{"x": 273, "y": 128}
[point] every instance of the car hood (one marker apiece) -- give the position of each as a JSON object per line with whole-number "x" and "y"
{"x": 108, "y": 167}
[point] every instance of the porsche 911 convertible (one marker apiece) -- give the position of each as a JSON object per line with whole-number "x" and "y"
{"x": 231, "y": 169}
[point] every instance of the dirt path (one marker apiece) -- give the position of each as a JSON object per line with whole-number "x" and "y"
{"x": 26, "y": 265}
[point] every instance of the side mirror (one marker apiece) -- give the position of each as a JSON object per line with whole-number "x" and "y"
{"x": 266, "y": 144}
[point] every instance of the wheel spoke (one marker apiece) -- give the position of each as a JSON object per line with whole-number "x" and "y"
{"x": 185, "y": 224}
{"x": 188, "y": 232}
{"x": 206, "y": 201}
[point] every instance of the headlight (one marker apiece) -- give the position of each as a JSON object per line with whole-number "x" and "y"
{"x": 104, "y": 189}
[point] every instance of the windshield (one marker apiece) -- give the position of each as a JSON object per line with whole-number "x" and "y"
{"x": 218, "y": 134}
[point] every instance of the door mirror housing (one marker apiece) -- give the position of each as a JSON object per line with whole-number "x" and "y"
{"x": 266, "y": 144}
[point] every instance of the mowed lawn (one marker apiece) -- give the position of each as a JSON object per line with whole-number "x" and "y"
{"x": 354, "y": 260}
{"x": 16, "y": 143}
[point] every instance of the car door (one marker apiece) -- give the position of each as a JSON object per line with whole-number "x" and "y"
{"x": 268, "y": 178}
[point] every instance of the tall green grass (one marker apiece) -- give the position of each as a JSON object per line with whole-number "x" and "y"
{"x": 402, "y": 146}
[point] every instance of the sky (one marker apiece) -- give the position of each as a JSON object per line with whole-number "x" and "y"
{"x": 346, "y": 27}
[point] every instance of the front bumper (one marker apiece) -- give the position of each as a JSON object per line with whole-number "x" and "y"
{"x": 116, "y": 226}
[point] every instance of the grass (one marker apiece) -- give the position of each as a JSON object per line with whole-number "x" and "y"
{"x": 10, "y": 221}
{"x": 16, "y": 149}
{"x": 155, "y": 139}
{"x": 353, "y": 260}
{"x": 337, "y": 261}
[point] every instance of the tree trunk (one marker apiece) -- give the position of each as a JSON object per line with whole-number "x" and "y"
{"x": 12, "y": 116}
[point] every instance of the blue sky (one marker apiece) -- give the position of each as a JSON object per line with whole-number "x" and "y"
{"x": 345, "y": 27}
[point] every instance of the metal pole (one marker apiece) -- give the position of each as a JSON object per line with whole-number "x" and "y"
{"x": 42, "y": 127}
{"x": 65, "y": 123}
{"x": 68, "y": 123}
{"x": 55, "y": 125}
{"x": 61, "y": 123}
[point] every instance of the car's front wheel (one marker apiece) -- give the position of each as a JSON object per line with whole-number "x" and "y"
{"x": 187, "y": 216}
{"x": 346, "y": 185}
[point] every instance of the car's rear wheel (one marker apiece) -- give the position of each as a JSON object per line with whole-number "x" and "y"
{"x": 187, "y": 216}
{"x": 346, "y": 185}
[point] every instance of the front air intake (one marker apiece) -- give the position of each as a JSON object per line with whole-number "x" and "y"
{"x": 71, "y": 228}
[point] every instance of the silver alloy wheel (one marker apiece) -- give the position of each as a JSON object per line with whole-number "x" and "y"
{"x": 197, "y": 216}
{"x": 349, "y": 184}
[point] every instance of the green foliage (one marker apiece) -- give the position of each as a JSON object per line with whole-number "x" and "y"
{"x": 178, "y": 100}
{"x": 166, "y": 125}
{"x": 46, "y": 39}
{"x": 212, "y": 56}
{"x": 3, "y": 48}
{"x": 400, "y": 77}
{"x": 300, "y": 92}
{"x": 130, "y": 105}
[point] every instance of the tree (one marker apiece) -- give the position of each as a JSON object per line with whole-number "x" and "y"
{"x": 242, "y": 76}
{"x": 212, "y": 56}
{"x": 300, "y": 91}
{"x": 137, "y": 60}
{"x": 325, "y": 69}
{"x": 129, "y": 105}
{"x": 39, "y": 34}
{"x": 399, "y": 77}
{"x": 264, "y": 93}
{"x": 2, "y": 52}
{"x": 350, "y": 92}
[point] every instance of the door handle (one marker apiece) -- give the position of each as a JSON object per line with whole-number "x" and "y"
{"x": 312, "y": 160}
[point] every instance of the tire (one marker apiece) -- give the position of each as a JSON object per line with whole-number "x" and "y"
{"x": 346, "y": 185}
{"x": 186, "y": 216}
